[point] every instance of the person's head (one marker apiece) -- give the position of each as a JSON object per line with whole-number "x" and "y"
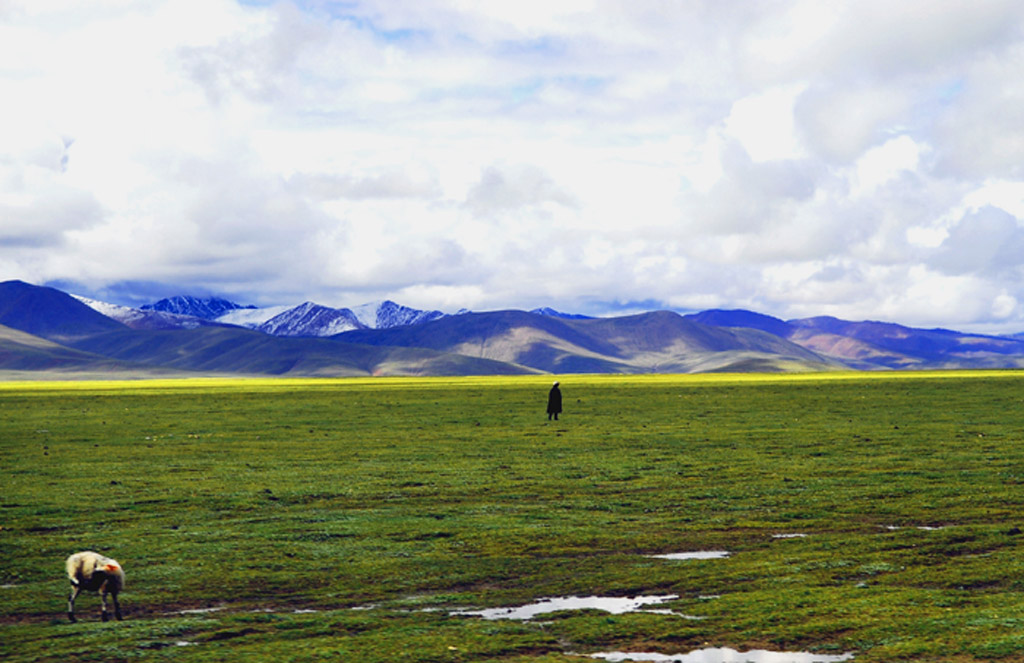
{"x": 556, "y": 383}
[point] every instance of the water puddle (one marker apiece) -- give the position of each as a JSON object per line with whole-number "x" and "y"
{"x": 923, "y": 528}
{"x": 295, "y": 611}
{"x": 672, "y": 613}
{"x": 614, "y": 605}
{"x": 697, "y": 554}
{"x": 726, "y": 655}
{"x": 789, "y": 536}
{"x": 198, "y": 611}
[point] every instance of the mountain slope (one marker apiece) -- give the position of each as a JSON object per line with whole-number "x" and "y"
{"x": 545, "y": 310}
{"x": 663, "y": 341}
{"x": 56, "y": 331}
{"x": 209, "y": 308}
{"x": 853, "y": 352}
{"x": 91, "y": 341}
{"x": 310, "y": 319}
{"x": 873, "y": 345}
{"x": 25, "y": 355}
{"x": 651, "y": 342}
{"x": 388, "y": 314}
{"x": 136, "y": 318}
{"x": 895, "y": 346}
{"x": 307, "y": 319}
{"x": 742, "y": 318}
{"x": 495, "y": 335}
{"x": 49, "y": 313}
{"x": 248, "y": 352}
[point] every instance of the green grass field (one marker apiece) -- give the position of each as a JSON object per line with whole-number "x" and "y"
{"x": 352, "y": 520}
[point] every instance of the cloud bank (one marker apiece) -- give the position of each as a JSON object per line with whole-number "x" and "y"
{"x": 863, "y": 159}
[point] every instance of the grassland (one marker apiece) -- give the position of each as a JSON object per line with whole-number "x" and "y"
{"x": 350, "y": 520}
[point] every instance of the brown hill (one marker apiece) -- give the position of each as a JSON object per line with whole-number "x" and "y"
{"x": 658, "y": 342}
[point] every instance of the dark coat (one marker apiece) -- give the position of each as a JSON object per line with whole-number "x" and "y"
{"x": 554, "y": 400}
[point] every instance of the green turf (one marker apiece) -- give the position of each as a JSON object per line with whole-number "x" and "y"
{"x": 386, "y": 506}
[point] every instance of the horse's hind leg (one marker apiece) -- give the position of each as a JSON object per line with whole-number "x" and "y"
{"x": 71, "y": 601}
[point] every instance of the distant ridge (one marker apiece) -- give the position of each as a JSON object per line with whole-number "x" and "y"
{"x": 388, "y": 314}
{"x": 52, "y": 332}
{"x": 908, "y": 347}
{"x": 558, "y": 314}
{"x": 741, "y": 318}
{"x": 655, "y": 342}
{"x": 23, "y": 353}
{"x": 306, "y": 319}
{"x": 311, "y": 319}
{"x": 145, "y": 318}
{"x": 49, "y": 313}
{"x": 208, "y": 309}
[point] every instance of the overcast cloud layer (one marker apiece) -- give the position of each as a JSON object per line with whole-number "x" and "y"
{"x": 863, "y": 159}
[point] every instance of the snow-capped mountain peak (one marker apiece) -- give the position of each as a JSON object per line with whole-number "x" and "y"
{"x": 208, "y": 309}
{"x": 387, "y": 314}
{"x": 251, "y": 317}
{"x": 310, "y": 319}
{"x": 143, "y": 319}
{"x": 552, "y": 313}
{"x": 306, "y": 319}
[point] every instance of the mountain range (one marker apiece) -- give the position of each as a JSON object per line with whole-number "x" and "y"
{"x": 46, "y": 332}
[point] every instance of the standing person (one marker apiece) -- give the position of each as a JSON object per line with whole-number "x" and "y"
{"x": 554, "y": 402}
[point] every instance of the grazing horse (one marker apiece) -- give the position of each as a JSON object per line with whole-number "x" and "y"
{"x": 94, "y": 573}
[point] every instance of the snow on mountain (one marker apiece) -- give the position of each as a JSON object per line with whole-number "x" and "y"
{"x": 251, "y": 317}
{"x": 119, "y": 313}
{"x": 387, "y": 314}
{"x": 552, "y": 313}
{"x": 311, "y": 319}
{"x": 308, "y": 319}
{"x": 142, "y": 319}
{"x": 366, "y": 314}
{"x": 207, "y": 309}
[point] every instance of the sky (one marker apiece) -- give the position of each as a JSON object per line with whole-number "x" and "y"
{"x": 862, "y": 159}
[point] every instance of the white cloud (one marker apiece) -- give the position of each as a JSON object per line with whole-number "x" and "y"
{"x": 840, "y": 121}
{"x": 882, "y": 164}
{"x": 1006, "y": 195}
{"x": 512, "y": 188}
{"x": 988, "y": 242}
{"x": 862, "y": 159}
{"x": 763, "y": 124}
